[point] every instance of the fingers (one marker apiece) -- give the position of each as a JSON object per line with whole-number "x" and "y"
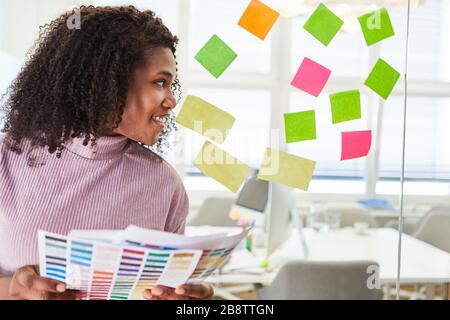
{"x": 183, "y": 292}
{"x": 29, "y": 279}
{"x": 163, "y": 293}
{"x": 27, "y": 284}
{"x": 45, "y": 295}
{"x": 196, "y": 291}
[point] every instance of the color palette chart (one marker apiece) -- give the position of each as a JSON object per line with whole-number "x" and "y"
{"x": 53, "y": 263}
{"x": 122, "y": 269}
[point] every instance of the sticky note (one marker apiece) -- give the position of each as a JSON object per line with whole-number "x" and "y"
{"x": 355, "y": 144}
{"x": 216, "y": 56}
{"x": 221, "y": 166}
{"x": 382, "y": 79}
{"x": 376, "y": 26}
{"x": 345, "y": 106}
{"x": 300, "y": 126}
{"x": 323, "y": 24}
{"x": 234, "y": 215}
{"x": 286, "y": 169}
{"x": 205, "y": 119}
{"x": 311, "y": 77}
{"x": 258, "y": 19}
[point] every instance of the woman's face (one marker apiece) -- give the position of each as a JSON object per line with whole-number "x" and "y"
{"x": 150, "y": 98}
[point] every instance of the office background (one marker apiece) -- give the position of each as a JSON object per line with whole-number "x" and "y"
{"x": 256, "y": 90}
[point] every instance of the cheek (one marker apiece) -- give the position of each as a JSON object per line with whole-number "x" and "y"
{"x": 148, "y": 103}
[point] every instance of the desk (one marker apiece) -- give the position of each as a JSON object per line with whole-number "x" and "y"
{"x": 421, "y": 262}
{"x": 412, "y": 214}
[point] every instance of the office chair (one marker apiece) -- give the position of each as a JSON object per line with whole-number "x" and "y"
{"x": 303, "y": 280}
{"x": 435, "y": 230}
{"x": 348, "y": 216}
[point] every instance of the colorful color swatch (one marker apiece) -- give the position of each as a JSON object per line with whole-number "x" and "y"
{"x": 323, "y": 24}
{"x": 311, "y": 77}
{"x": 300, "y": 126}
{"x": 382, "y": 79}
{"x": 287, "y": 169}
{"x": 216, "y": 56}
{"x": 205, "y": 118}
{"x": 221, "y": 166}
{"x": 376, "y": 26}
{"x": 258, "y": 19}
{"x": 345, "y": 106}
{"x": 356, "y": 144}
{"x": 54, "y": 262}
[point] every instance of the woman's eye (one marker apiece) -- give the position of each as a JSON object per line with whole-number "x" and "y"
{"x": 161, "y": 83}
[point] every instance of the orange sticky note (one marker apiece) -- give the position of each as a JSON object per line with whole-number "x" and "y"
{"x": 258, "y": 19}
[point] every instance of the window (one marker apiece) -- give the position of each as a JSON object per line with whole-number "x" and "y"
{"x": 207, "y": 17}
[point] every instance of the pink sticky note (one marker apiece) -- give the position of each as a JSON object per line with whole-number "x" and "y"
{"x": 242, "y": 222}
{"x": 356, "y": 144}
{"x": 311, "y": 77}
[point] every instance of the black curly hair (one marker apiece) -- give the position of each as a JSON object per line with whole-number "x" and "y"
{"x": 75, "y": 81}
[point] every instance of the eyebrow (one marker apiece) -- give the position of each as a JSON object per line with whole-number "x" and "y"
{"x": 166, "y": 73}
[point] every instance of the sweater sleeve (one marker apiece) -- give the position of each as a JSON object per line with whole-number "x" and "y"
{"x": 178, "y": 210}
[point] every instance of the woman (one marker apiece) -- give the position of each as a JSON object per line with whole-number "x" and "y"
{"x": 72, "y": 154}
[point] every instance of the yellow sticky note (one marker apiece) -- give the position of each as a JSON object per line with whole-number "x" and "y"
{"x": 205, "y": 118}
{"x": 234, "y": 215}
{"x": 287, "y": 169}
{"x": 221, "y": 166}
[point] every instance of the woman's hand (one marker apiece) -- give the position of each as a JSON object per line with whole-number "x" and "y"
{"x": 26, "y": 284}
{"x": 201, "y": 291}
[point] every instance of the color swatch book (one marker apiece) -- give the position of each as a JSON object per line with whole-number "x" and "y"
{"x": 120, "y": 265}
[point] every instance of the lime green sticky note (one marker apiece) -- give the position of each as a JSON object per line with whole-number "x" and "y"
{"x": 376, "y": 26}
{"x": 286, "y": 169}
{"x": 221, "y": 166}
{"x": 382, "y": 79}
{"x": 215, "y": 56}
{"x": 300, "y": 126}
{"x": 323, "y": 24}
{"x": 345, "y": 106}
{"x": 205, "y": 118}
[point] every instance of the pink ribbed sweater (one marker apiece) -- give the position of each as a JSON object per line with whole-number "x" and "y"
{"x": 109, "y": 186}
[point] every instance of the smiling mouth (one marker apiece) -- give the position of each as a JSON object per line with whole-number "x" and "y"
{"x": 160, "y": 120}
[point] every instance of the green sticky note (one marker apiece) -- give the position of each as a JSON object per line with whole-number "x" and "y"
{"x": 205, "y": 118}
{"x": 221, "y": 166}
{"x": 286, "y": 169}
{"x": 300, "y": 126}
{"x": 323, "y": 24}
{"x": 345, "y": 106}
{"x": 215, "y": 56}
{"x": 376, "y": 26}
{"x": 382, "y": 79}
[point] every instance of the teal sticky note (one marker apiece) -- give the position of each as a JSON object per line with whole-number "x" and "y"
{"x": 382, "y": 79}
{"x": 300, "y": 126}
{"x": 215, "y": 56}
{"x": 323, "y": 24}
{"x": 345, "y": 106}
{"x": 376, "y": 26}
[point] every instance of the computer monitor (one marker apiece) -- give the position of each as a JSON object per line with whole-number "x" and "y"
{"x": 269, "y": 205}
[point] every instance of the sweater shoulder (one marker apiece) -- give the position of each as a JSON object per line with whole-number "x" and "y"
{"x": 148, "y": 157}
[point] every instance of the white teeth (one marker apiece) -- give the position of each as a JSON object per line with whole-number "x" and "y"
{"x": 159, "y": 119}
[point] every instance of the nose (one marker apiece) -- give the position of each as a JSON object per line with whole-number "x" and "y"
{"x": 170, "y": 101}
